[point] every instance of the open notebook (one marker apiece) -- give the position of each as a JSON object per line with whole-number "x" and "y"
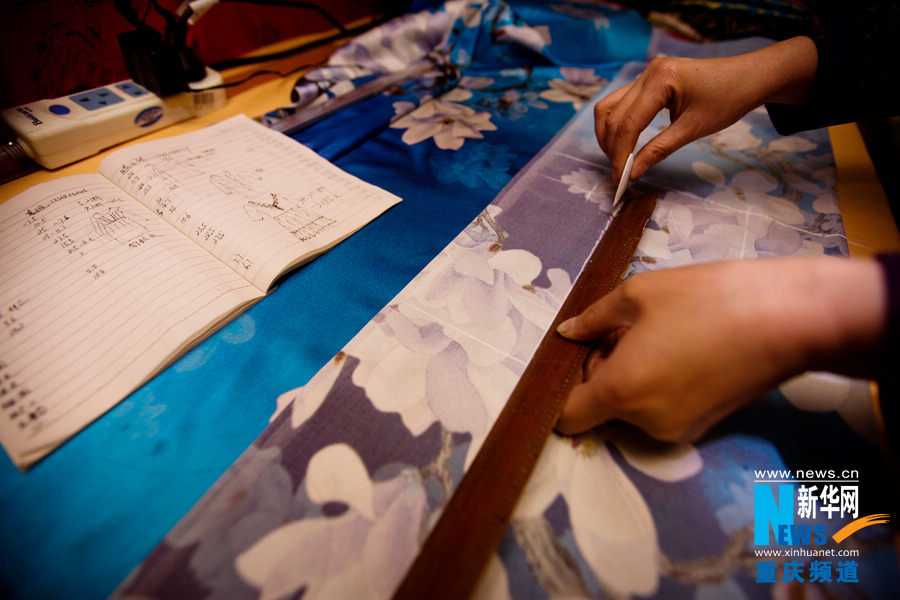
{"x": 107, "y": 278}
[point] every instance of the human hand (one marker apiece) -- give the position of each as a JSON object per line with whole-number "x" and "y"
{"x": 683, "y": 348}
{"x": 703, "y": 96}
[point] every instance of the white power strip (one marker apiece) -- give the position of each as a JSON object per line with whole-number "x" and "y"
{"x": 60, "y": 131}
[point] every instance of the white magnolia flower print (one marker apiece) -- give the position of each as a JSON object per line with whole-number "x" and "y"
{"x": 469, "y": 82}
{"x": 622, "y": 550}
{"x": 452, "y": 349}
{"x": 826, "y": 201}
{"x": 595, "y": 185}
{"x": 824, "y": 392}
{"x": 577, "y": 86}
{"x": 738, "y": 513}
{"x": 397, "y": 43}
{"x": 514, "y": 104}
{"x": 763, "y": 221}
{"x": 411, "y": 367}
{"x": 535, "y": 38}
{"x": 792, "y": 144}
{"x": 444, "y": 119}
{"x": 257, "y": 497}
{"x": 685, "y": 233}
{"x": 306, "y": 400}
{"x": 363, "y": 552}
{"x": 752, "y": 190}
{"x": 735, "y": 137}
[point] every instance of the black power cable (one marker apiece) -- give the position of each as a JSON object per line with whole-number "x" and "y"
{"x": 343, "y": 32}
{"x": 146, "y": 69}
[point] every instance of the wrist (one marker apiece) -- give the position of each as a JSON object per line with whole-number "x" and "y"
{"x": 790, "y": 70}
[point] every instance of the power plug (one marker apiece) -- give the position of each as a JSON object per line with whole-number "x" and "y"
{"x": 60, "y": 131}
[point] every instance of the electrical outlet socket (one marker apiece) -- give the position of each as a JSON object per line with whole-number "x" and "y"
{"x": 96, "y": 98}
{"x": 132, "y": 89}
{"x": 58, "y": 131}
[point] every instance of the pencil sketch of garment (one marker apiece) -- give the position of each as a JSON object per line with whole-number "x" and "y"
{"x": 117, "y": 225}
{"x": 304, "y": 224}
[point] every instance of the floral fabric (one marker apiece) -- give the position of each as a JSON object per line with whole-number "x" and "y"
{"x": 340, "y": 490}
{"x": 424, "y": 321}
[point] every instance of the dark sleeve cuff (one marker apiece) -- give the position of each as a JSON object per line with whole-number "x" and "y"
{"x": 853, "y": 78}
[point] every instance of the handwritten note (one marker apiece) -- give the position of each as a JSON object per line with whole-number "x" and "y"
{"x": 97, "y": 293}
{"x": 105, "y": 279}
{"x": 252, "y": 197}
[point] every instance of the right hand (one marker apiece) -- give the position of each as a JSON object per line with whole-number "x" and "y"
{"x": 684, "y": 347}
{"x": 703, "y": 96}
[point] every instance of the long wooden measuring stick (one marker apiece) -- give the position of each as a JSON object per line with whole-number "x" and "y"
{"x": 472, "y": 524}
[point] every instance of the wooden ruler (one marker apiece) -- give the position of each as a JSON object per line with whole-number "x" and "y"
{"x": 475, "y": 519}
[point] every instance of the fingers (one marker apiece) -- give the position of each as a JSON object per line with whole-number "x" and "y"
{"x": 605, "y": 395}
{"x": 602, "y": 318}
{"x": 583, "y": 409}
{"x": 602, "y": 321}
{"x": 620, "y": 117}
{"x": 605, "y": 122}
{"x": 670, "y": 139}
{"x": 622, "y": 124}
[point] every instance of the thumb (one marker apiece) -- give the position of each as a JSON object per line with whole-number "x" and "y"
{"x": 585, "y": 407}
{"x": 659, "y": 148}
{"x": 602, "y": 318}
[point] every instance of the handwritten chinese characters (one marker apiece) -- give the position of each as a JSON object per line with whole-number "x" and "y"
{"x": 106, "y": 278}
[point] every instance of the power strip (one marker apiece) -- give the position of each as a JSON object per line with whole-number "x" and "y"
{"x": 63, "y": 130}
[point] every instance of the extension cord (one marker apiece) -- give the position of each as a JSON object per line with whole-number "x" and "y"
{"x": 63, "y": 130}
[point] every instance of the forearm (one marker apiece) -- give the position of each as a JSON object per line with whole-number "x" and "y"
{"x": 849, "y": 312}
{"x": 785, "y": 71}
{"x": 693, "y": 344}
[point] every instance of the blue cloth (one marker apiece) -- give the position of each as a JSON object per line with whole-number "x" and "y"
{"x": 81, "y": 519}
{"x": 337, "y": 491}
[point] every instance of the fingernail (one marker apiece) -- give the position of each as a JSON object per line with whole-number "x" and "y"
{"x": 637, "y": 170}
{"x": 566, "y": 326}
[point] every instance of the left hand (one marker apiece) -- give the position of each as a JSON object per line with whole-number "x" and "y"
{"x": 685, "y": 347}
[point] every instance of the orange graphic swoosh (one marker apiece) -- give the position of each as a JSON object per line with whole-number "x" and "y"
{"x": 854, "y": 526}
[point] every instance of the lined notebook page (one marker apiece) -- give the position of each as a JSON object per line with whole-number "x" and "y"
{"x": 254, "y": 198}
{"x": 96, "y": 293}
